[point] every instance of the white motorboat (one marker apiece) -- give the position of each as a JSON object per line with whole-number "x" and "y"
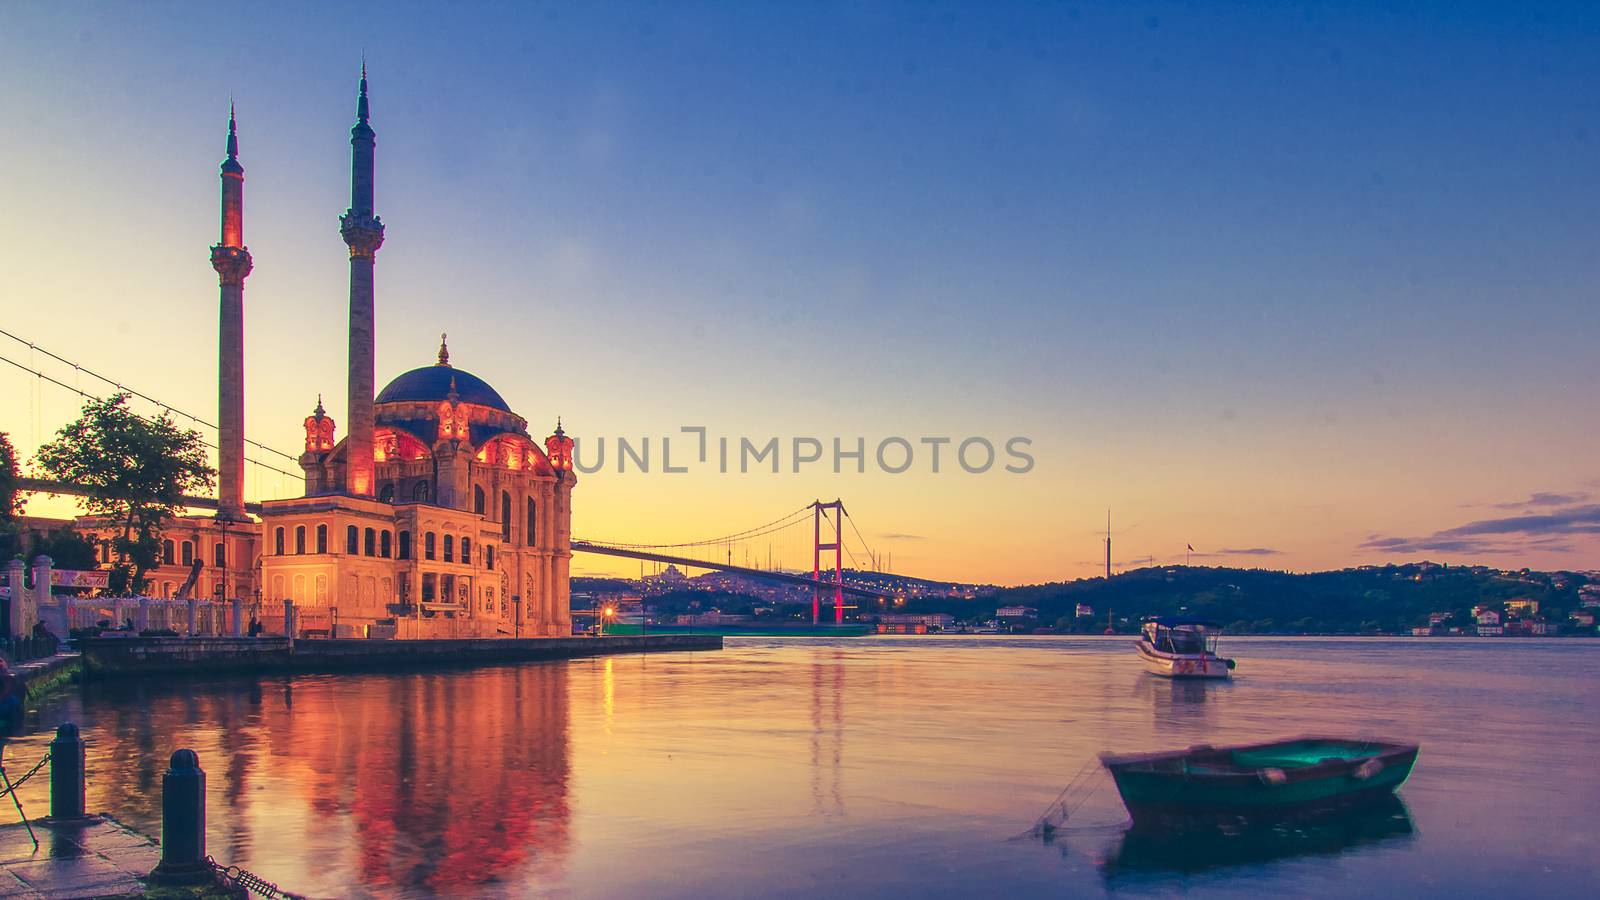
{"x": 1182, "y": 647}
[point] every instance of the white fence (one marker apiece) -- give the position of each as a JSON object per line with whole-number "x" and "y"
{"x": 201, "y": 617}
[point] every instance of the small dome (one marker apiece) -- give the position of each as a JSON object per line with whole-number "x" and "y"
{"x": 431, "y": 384}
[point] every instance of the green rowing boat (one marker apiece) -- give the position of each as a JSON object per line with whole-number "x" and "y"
{"x": 1277, "y": 777}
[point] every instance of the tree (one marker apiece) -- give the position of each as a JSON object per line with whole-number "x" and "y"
{"x": 10, "y": 500}
{"x": 66, "y": 548}
{"x": 135, "y": 472}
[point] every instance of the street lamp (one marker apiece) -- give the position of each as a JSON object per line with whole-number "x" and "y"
{"x": 609, "y": 612}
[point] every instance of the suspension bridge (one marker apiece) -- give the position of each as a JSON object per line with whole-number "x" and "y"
{"x": 776, "y": 551}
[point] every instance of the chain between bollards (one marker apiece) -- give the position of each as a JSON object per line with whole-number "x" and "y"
{"x": 238, "y": 876}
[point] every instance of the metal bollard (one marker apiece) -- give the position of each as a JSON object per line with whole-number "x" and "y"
{"x": 183, "y": 822}
{"x": 67, "y": 774}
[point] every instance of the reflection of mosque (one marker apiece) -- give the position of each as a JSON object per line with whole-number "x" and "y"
{"x": 408, "y": 782}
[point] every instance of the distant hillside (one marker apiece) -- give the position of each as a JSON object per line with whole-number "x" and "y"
{"x": 1393, "y": 598}
{"x": 1382, "y": 598}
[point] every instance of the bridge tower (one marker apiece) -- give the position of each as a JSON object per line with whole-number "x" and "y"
{"x": 818, "y": 514}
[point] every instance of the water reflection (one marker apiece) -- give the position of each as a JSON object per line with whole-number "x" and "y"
{"x": 1180, "y": 701}
{"x": 426, "y": 782}
{"x": 827, "y": 735}
{"x": 849, "y": 768}
{"x": 1157, "y": 853}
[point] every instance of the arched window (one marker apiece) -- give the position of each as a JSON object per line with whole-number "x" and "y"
{"x": 449, "y": 548}
{"x": 420, "y": 492}
{"x": 386, "y": 495}
{"x": 466, "y": 550}
{"x": 488, "y": 556}
{"x": 370, "y": 542}
{"x": 188, "y": 553}
{"x": 277, "y": 543}
{"x": 427, "y": 545}
{"x": 477, "y": 500}
{"x": 299, "y": 539}
{"x": 352, "y": 540}
{"x": 167, "y": 551}
{"x": 531, "y": 535}
{"x": 219, "y": 553}
{"x": 405, "y": 545}
{"x": 384, "y": 544}
{"x": 505, "y": 515}
{"x": 322, "y": 538}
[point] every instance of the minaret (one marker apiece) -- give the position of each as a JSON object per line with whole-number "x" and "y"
{"x": 363, "y": 232}
{"x": 232, "y": 261}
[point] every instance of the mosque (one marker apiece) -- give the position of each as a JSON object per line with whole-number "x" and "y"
{"x": 435, "y": 515}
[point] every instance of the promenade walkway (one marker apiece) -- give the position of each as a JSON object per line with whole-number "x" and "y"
{"x": 93, "y": 857}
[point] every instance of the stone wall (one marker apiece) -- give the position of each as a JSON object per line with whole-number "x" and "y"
{"x": 108, "y": 657}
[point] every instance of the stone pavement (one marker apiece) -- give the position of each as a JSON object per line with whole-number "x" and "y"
{"x": 93, "y": 857}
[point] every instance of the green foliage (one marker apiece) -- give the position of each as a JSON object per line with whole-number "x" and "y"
{"x": 10, "y": 500}
{"x": 66, "y": 548}
{"x": 1349, "y": 601}
{"x": 136, "y": 471}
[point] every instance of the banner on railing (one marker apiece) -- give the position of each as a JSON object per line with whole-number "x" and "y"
{"x": 80, "y": 578}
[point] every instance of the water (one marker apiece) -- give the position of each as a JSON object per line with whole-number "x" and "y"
{"x": 860, "y": 767}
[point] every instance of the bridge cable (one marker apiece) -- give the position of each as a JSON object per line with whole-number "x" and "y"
{"x": 864, "y": 545}
{"x": 80, "y": 393}
{"x": 127, "y": 390}
{"x": 760, "y": 530}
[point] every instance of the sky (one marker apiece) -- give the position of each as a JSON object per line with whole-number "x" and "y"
{"x": 1301, "y": 285}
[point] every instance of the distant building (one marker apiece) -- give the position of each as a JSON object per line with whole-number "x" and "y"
{"x": 1486, "y": 617}
{"x": 713, "y": 618}
{"x": 1439, "y": 618}
{"x": 1582, "y": 617}
{"x": 1016, "y": 612}
{"x": 1522, "y": 607}
{"x": 1085, "y": 611}
{"x": 902, "y": 628}
{"x": 671, "y": 576}
{"x": 926, "y": 620}
{"x": 1490, "y": 631}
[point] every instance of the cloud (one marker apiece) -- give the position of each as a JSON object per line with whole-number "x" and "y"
{"x": 1505, "y": 534}
{"x": 1234, "y": 551}
{"x": 897, "y": 536}
{"x": 1546, "y": 498}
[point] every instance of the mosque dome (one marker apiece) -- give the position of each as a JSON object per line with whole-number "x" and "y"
{"x": 433, "y": 384}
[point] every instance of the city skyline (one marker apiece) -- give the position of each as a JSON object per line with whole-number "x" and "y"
{"x": 1274, "y": 333}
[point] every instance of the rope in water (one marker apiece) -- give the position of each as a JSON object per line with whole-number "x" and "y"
{"x": 1059, "y": 810}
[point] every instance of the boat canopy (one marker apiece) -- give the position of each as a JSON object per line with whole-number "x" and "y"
{"x": 1175, "y": 621}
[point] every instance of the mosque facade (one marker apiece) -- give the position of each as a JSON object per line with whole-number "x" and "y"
{"x": 435, "y": 514}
